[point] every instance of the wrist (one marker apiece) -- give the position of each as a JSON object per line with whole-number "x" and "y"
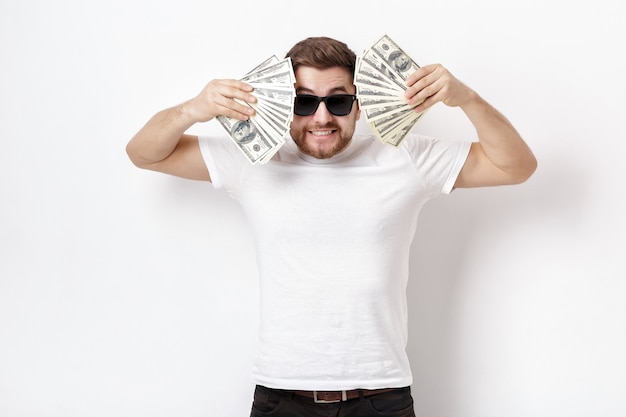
{"x": 473, "y": 102}
{"x": 191, "y": 112}
{"x": 186, "y": 113}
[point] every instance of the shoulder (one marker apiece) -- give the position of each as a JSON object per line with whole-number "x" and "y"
{"x": 422, "y": 148}
{"x": 222, "y": 157}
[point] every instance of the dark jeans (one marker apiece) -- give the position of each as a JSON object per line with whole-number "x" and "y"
{"x": 279, "y": 403}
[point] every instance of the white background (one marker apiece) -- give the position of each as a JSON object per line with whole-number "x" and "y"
{"x": 130, "y": 293}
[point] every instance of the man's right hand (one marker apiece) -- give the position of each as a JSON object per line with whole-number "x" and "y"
{"x": 162, "y": 145}
{"x": 216, "y": 99}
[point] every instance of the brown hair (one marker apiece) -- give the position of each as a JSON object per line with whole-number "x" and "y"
{"x": 322, "y": 53}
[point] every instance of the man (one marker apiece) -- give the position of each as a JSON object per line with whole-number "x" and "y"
{"x": 333, "y": 215}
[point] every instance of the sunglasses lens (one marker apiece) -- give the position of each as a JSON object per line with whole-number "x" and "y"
{"x": 305, "y": 105}
{"x": 340, "y": 105}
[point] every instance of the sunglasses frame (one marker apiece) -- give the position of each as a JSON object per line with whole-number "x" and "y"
{"x": 325, "y": 100}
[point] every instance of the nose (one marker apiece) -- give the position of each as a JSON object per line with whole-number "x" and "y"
{"x": 322, "y": 115}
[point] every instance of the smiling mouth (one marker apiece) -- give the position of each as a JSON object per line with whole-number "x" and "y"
{"x": 321, "y": 133}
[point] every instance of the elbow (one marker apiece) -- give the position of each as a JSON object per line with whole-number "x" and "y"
{"x": 131, "y": 155}
{"x": 525, "y": 170}
{"x": 134, "y": 157}
{"x": 532, "y": 167}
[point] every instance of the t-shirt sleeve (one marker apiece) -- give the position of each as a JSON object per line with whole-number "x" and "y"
{"x": 438, "y": 162}
{"x": 224, "y": 161}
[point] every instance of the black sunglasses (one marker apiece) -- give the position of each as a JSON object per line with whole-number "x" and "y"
{"x": 337, "y": 104}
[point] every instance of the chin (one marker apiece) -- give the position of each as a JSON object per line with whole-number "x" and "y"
{"x": 322, "y": 150}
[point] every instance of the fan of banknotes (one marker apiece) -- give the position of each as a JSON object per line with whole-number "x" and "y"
{"x": 260, "y": 137}
{"x": 379, "y": 78}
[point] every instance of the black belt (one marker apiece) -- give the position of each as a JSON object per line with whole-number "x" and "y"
{"x": 338, "y": 396}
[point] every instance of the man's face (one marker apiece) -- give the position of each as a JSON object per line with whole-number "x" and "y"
{"x": 322, "y": 134}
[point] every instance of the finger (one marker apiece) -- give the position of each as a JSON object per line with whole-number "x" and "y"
{"x": 424, "y": 88}
{"x": 429, "y": 96}
{"x": 234, "y": 108}
{"x": 238, "y": 90}
{"x": 425, "y": 104}
{"x": 416, "y": 76}
{"x": 420, "y": 73}
{"x": 237, "y": 84}
{"x": 421, "y": 80}
{"x": 234, "y": 114}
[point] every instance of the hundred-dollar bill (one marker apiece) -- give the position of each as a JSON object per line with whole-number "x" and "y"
{"x": 260, "y": 137}
{"x": 395, "y": 57}
{"x": 276, "y": 78}
{"x": 388, "y": 133}
{"x": 275, "y": 110}
{"x": 281, "y": 72}
{"x": 364, "y": 81}
{"x": 378, "y": 91}
{"x": 268, "y": 111}
{"x": 276, "y": 95}
{"x": 366, "y": 75}
{"x": 269, "y": 61}
{"x": 379, "y": 78}
{"x": 376, "y": 113}
{"x": 366, "y": 102}
{"x": 387, "y": 124}
{"x": 402, "y": 131}
{"x": 247, "y": 137}
{"x": 377, "y": 63}
{"x": 280, "y": 109}
{"x": 266, "y": 130}
{"x": 275, "y": 128}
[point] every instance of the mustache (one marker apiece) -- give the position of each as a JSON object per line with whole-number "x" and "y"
{"x": 326, "y": 126}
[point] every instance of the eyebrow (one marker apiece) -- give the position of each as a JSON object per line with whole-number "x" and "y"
{"x": 332, "y": 91}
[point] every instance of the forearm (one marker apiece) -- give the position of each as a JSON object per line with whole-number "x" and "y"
{"x": 499, "y": 140}
{"x": 158, "y": 138}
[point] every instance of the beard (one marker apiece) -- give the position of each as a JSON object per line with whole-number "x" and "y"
{"x": 322, "y": 150}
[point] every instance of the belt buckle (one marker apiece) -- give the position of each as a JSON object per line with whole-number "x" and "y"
{"x": 344, "y": 397}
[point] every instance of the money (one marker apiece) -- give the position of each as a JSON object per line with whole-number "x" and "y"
{"x": 262, "y": 135}
{"x": 379, "y": 78}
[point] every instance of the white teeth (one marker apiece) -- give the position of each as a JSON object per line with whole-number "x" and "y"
{"x": 321, "y": 132}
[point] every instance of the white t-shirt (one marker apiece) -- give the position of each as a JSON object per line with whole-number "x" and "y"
{"x": 332, "y": 238}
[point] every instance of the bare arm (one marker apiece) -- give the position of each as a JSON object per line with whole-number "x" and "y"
{"x": 162, "y": 145}
{"x": 500, "y": 156}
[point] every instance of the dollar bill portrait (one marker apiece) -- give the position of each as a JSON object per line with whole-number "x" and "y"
{"x": 243, "y": 131}
{"x": 399, "y": 61}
